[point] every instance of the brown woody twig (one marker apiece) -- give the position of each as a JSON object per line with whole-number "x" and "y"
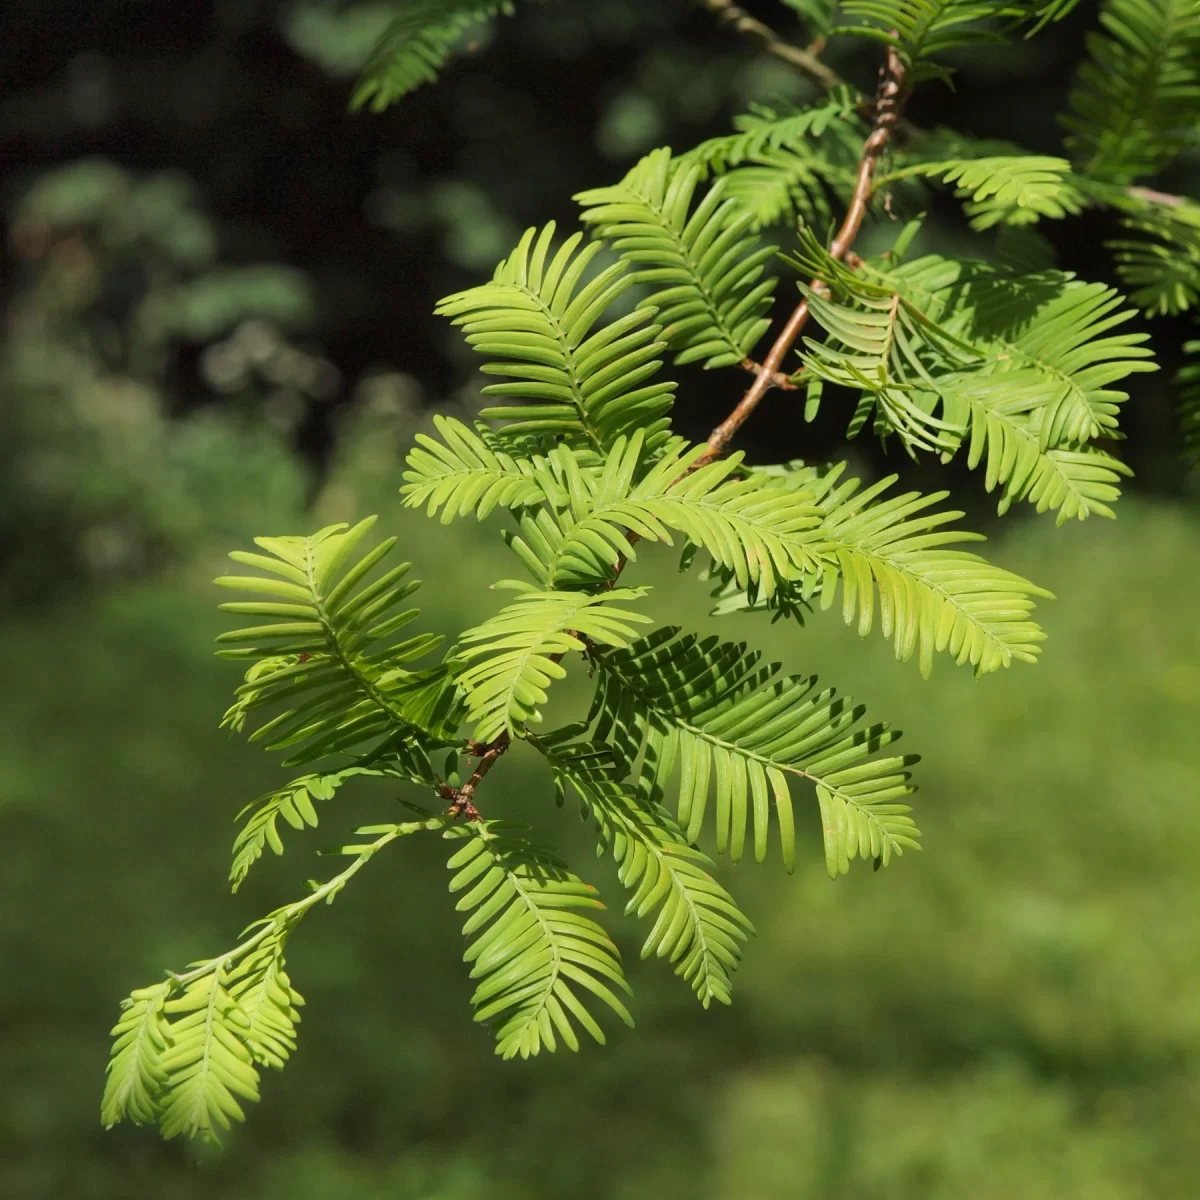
{"x": 889, "y": 104}
{"x": 461, "y": 799}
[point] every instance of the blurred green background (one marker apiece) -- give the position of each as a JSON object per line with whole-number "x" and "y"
{"x": 216, "y": 291}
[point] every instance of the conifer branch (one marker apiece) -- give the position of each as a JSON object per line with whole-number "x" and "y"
{"x": 888, "y": 108}
{"x": 1011, "y": 362}
{"x": 808, "y": 63}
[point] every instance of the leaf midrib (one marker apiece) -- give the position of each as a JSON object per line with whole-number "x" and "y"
{"x": 698, "y": 280}
{"x": 568, "y": 353}
{"x": 906, "y": 569}
{"x": 366, "y": 686}
{"x": 683, "y": 724}
{"x": 547, "y": 932}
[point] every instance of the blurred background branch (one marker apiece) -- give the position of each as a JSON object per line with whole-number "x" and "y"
{"x": 804, "y": 61}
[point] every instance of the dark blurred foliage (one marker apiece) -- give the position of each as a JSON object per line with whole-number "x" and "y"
{"x": 217, "y": 293}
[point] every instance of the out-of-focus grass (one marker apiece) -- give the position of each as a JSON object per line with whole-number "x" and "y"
{"x": 1009, "y": 1013}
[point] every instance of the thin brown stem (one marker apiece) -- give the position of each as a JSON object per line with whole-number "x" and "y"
{"x": 804, "y": 61}
{"x": 461, "y": 799}
{"x": 889, "y": 104}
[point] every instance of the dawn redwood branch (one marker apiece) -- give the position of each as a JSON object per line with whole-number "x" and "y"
{"x": 887, "y": 119}
{"x": 888, "y": 111}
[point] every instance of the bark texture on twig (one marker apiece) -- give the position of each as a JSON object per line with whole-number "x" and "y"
{"x": 889, "y": 105}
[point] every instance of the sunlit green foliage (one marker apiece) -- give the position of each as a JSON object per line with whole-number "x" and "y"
{"x": 714, "y": 296}
{"x": 686, "y": 734}
{"x": 1013, "y": 367}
